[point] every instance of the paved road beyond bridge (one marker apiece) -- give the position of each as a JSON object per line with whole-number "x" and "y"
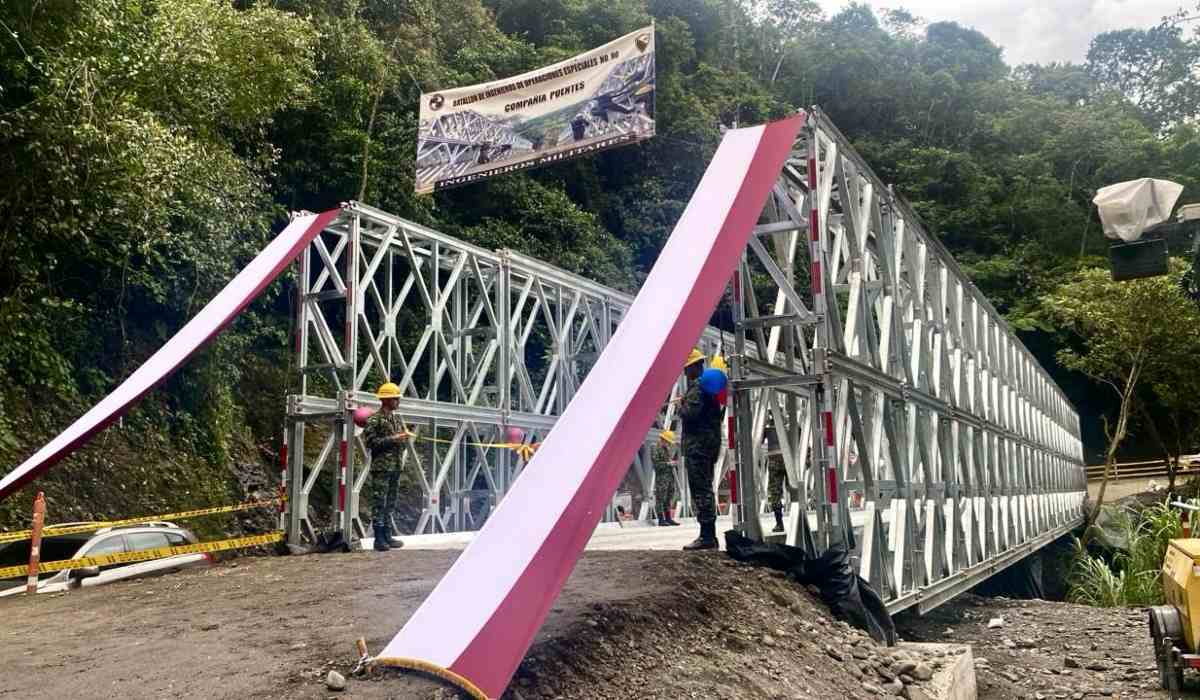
{"x": 1128, "y": 478}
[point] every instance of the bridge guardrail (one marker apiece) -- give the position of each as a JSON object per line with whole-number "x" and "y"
{"x": 1143, "y": 470}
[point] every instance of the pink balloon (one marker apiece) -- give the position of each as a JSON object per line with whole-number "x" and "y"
{"x": 514, "y": 435}
{"x": 361, "y": 414}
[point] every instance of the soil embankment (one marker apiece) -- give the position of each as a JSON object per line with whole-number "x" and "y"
{"x": 629, "y": 624}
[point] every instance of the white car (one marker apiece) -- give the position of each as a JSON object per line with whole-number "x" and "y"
{"x": 134, "y": 538}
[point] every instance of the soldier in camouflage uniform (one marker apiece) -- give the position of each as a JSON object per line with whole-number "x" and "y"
{"x": 700, "y": 415}
{"x": 664, "y": 477}
{"x": 776, "y": 477}
{"x": 386, "y": 436}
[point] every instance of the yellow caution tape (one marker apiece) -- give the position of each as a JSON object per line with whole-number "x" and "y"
{"x": 182, "y": 515}
{"x": 524, "y": 450}
{"x": 145, "y": 555}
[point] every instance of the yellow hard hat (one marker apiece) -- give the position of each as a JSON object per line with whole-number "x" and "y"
{"x": 695, "y": 357}
{"x": 388, "y": 390}
{"x": 668, "y": 435}
{"x": 718, "y": 362}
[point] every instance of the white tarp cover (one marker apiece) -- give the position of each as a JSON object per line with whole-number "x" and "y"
{"x": 1129, "y": 208}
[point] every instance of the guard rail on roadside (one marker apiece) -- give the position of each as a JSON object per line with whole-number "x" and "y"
{"x": 1142, "y": 470}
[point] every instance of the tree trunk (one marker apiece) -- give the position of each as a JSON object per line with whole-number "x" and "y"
{"x": 1172, "y": 461}
{"x": 1115, "y": 438}
{"x": 366, "y": 157}
{"x": 778, "y": 65}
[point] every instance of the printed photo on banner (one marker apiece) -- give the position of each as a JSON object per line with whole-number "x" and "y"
{"x": 594, "y": 101}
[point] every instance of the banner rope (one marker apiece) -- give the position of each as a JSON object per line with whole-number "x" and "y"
{"x": 367, "y": 662}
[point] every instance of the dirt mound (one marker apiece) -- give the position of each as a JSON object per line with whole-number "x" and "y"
{"x": 628, "y": 624}
{"x": 705, "y": 626}
{"x": 720, "y": 630}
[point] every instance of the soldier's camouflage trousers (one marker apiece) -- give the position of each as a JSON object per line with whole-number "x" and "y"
{"x": 664, "y": 487}
{"x": 700, "y": 471}
{"x": 776, "y": 482}
{"x": 385, "y": 489}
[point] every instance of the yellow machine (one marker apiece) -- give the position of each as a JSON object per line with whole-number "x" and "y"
{"x": 1175, "y": 627}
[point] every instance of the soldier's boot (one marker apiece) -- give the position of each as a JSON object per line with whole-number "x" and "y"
{"x": 670, "y": 520}
{"x": 381, "y": 539}
{"x": 393, "y": 542}
{"x": 706, "y": 540}
{"x": 662, "y": 519}
{"x": 778, "y": 520}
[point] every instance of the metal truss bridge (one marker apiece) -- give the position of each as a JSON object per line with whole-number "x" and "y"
{"x": 454, "y": 142}
{"x": 626, "y": 88}
{"x": 915, "y": 427}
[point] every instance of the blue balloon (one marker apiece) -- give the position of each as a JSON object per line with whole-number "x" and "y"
{"x": 713, "y": 381}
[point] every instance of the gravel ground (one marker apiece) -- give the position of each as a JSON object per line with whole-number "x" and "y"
{"x": 1047, "y": 649}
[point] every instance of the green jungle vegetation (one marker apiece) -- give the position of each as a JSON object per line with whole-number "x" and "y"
{"x": 150, "y": 147}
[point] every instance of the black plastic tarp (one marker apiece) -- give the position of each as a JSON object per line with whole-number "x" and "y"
{"x": 849, "y": 597}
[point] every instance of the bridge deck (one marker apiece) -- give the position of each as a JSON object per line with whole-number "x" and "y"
{"x": 641, "y": 536}
{"x": 629, "y": 536}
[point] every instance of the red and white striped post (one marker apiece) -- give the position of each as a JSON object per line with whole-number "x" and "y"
{"x": 283, "y": 479}
{"x": 343, "y": 464}
{"x": 35, "y": 543}
{"x": 824, "y": 449}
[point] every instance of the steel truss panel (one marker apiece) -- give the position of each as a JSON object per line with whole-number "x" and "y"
{"x": 478, "y": 341}
{"x": 911, "y": 405}
{"x": 454, "y": 142}
{"x": 914, "y": 426}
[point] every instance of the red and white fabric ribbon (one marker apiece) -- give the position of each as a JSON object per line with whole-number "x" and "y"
{"x": 215, "y": 315}
{"x": 481, "y": 618}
